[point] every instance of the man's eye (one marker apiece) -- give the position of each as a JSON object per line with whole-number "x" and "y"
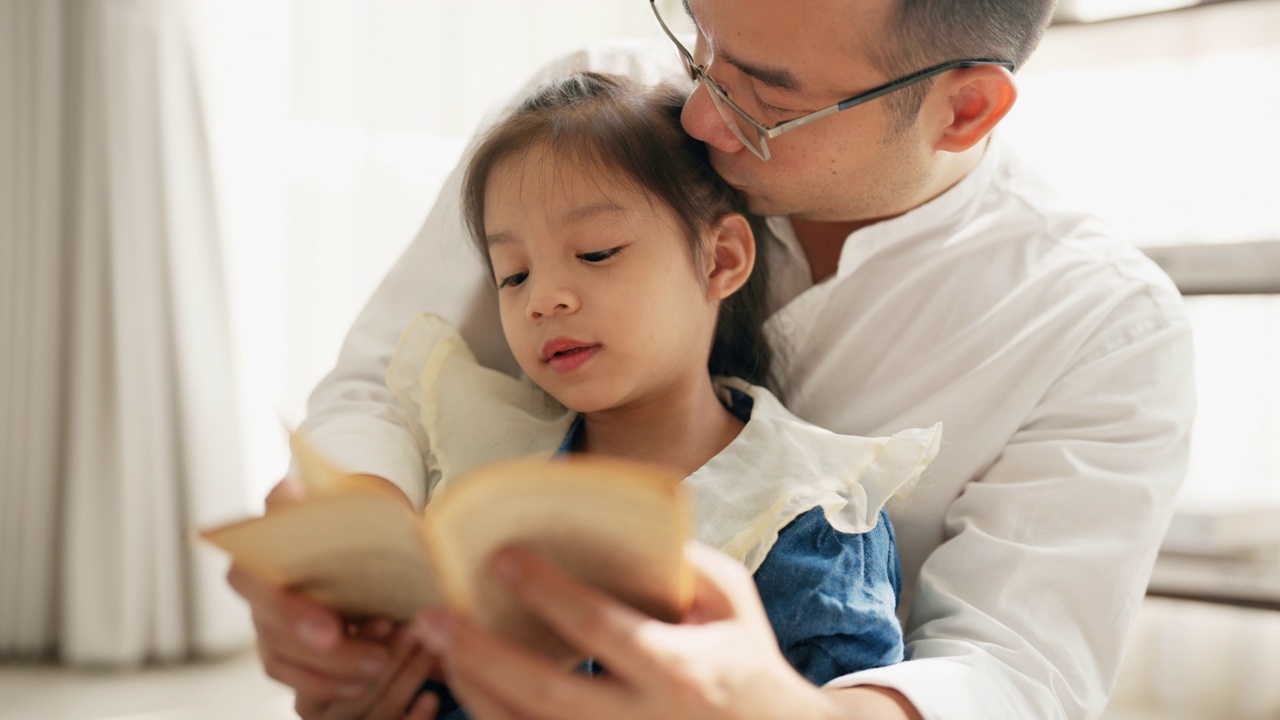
{"x": 512, "y": 280}
{"x": 789, "y": 113}
{"x": 775, "y": 109}
{"x": 600, "y": 256}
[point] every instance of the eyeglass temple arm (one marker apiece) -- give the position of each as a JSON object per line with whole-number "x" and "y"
{"x": 883, "y": 90}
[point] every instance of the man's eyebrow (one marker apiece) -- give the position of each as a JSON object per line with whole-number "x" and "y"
{"x": 779, "y": 78}
{"x": 773, "y": 77}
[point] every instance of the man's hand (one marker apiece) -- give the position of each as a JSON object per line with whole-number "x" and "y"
{"x": 721, "y": 661}
{"x": 337, "y": 670}
{"x": 395, "y": 695}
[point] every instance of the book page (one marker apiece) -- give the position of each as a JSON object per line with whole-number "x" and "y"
{"x": 620, "y": 527}
{"x": 358, "y": 551}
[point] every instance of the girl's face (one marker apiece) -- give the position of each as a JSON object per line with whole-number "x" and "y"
{"x": 599, "y": 299}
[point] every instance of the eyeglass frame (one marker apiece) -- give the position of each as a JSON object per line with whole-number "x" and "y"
{"x": 698, "y": 73}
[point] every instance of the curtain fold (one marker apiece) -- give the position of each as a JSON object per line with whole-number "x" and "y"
{"x": 124, "y": 434}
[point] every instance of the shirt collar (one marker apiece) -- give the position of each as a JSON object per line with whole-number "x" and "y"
{"x": 928, "y": 222}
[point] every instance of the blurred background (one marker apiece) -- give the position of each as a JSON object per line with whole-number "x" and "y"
{"x": 198, "y": 196}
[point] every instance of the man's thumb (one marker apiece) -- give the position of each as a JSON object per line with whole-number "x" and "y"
{"x": 288, "y": 491}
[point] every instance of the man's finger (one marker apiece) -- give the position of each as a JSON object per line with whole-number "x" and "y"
{"x": 303, "y": 633}
{"x": 374, "y": 704}
{"x": 722, "y": 587}
{"x": 284, "y": 613}
{"x": 480, "y": 704}
{"x": 424, "y": 708}
{"x": 397, "y": 694}
{"x": 503, "y": 676}
{"x": 317, "y": 688}
{"x": 591, "y": 621}
{"x": 287, "y": 492}
{"x": 377, "y": 629}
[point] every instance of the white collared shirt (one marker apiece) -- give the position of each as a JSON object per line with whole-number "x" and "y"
{"x": 1057, "y": 357}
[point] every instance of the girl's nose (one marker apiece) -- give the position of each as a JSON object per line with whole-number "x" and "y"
{"x": 550, "y": 296}
{"x": 702, "y": 121}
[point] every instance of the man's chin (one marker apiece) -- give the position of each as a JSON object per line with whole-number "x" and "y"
{"x": 756, "y": 202}
{"x": 762, "y": 205}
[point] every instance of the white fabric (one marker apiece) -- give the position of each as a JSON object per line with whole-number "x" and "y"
{"x": 777, "y": 468}
{"x": 120, "y": 346}
{"x": 780, "y": 467}
{"x": 1058, "y": 358}
{"x": 462, "y": 413}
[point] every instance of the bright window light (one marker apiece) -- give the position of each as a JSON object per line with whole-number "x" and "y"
{"x": 1095, "y": 10}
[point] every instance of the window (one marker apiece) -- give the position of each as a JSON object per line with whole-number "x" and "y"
{"x": 1164, "y": 125}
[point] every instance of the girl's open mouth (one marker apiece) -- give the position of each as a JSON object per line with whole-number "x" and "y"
{"x": 570, "y": 359}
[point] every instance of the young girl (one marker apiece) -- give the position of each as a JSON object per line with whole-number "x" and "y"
{"x": 629, "y": 292}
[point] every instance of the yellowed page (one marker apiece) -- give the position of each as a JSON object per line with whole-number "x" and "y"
{"x": 357, "y": 551}
{"x": 619, "y": 526}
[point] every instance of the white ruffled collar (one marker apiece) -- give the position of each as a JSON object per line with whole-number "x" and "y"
{"x": 777, "y": 468}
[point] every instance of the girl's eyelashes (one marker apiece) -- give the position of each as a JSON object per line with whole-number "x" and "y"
{"x": 512, "y": 280}
{"x": 591, "y": 257}
{"x": 600, "y": 255}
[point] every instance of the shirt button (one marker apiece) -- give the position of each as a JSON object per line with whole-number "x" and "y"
{"x": 787, "y": 325}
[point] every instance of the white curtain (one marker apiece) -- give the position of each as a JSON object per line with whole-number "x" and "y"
{"x": 116, "y": 394}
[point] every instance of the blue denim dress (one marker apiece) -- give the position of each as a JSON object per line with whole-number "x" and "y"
{"x": 831, "y": 597}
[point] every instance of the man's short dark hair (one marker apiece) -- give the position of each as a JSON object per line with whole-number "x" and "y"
{"x": 926, "y": 32}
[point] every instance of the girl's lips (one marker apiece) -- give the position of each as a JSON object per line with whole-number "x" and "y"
{"x": 567, "y": 361}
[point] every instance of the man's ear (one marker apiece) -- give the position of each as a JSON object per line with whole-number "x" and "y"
{"x": 731, "y": 256}
{"x": 969, "y": 103}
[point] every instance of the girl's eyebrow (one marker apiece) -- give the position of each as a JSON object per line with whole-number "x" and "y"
{"x": 575, "y": 215}
{"x": 585, "y": 212}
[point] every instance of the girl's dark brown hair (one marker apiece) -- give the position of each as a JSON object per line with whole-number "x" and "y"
{"x": 615, "y": 124}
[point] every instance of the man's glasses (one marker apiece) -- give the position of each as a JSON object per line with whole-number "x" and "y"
{"x": 756, "y": 135}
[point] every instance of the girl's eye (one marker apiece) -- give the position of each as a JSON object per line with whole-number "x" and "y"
{"x": 599, "y": 256}
{"x": 512, "y": 280}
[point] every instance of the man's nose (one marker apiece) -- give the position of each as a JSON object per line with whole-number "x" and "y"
{"x": 550, "y": 295}
{"x": 702, "y": 121}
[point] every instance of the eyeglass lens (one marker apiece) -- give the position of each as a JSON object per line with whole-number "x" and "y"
{"x": 741, "y": 127}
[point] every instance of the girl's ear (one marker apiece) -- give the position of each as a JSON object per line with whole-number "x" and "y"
{"x": 732, "y": 256}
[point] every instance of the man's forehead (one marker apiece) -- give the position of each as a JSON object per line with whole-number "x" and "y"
{"x": 804, "y": 45}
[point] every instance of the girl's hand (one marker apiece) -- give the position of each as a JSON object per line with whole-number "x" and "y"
{"x": 720, "y": 661}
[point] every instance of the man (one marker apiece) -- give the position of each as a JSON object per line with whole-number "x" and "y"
{"x": 922, "y": 275}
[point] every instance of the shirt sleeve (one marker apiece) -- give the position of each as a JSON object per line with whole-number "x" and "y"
{"x": 352, "y": 415}
{"x": 826, "y": 624}
{"x": 1023, "y": 610}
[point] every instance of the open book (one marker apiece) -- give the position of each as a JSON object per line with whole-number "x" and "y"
{"x": 359, "y": 549}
